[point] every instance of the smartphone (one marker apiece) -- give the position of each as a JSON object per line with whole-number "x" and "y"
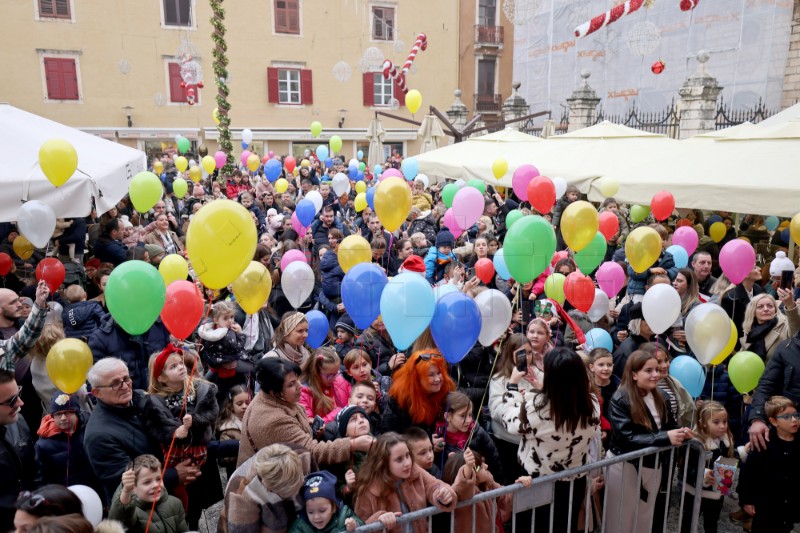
{"x": 787, "y": 277}
{"x": 521, "y": 358}
{"x": 440, "y": 429}
{"x": 470, "y": 273}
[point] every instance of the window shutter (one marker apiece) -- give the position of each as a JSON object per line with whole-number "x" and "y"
{"x": 369, "y": 89}
{"x": 52, "y": 74}
{"x": 272, "y": 85}
{"x": 377, "y": 23}
{"x": 399, "y": 94}
{"x": 306, "y": 90}
{"x": 177, "y": 94}
{"x": 62, "y": 8}
{"x": 69, "y": 79}
{"x": 388, "y": 21}
{"x": 47, "y": 8}
{"x": 281, "y": 16}
{"x": 293, "y": 16}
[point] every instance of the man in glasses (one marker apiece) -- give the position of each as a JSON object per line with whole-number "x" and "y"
{"x": 17, "y": 461}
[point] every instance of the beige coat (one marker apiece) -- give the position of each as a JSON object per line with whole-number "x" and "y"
{"x": 787, "y": 326}
{"x": 154, "y": 237}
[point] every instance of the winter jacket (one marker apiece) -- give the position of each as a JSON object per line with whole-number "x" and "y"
{"x": 426, "y": 226}
{"x": 625, "y": 349}
{"x": 168, "y": 516}
{"x": 416, "y": 491}
{"x": 320, "y": 232}
{"x": 781, "y": 377}
{"x": 637, "y": 281}
{"x": 435, "y": 264}
{"x": 423, "y": 201}
{"x": 60, "y": 454}
{"x": 497, "y": 400}
{"x": 379, "y": 348}
{"x": 473, "y": 371}
{"x": 735, "y": 302}
{"x": 161, "y": 420}
{"x": 154, "y": 237}
{"x": 339, "y": 393}
{"x": 221, "y": 345}
{"x": 80, "y": 319}
{"x": 110, "y": 340}
{"x": 19, "y": 466}
{"x": 337, "y": 523}
{"x": 109, "y": 250}
{"x": 627, "y": 436}
{"x": 332, "y": 276}
{"x": 18, "y": 346}
{"x": 75, "y": 234}
{"x": 485, "y": 511}
{"x": 481, "y": 442}
{"x": 269, "y": 420}
{"x": 262, "y": 220}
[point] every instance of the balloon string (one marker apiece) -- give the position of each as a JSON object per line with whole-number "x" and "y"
{"x": 69, "y": 438}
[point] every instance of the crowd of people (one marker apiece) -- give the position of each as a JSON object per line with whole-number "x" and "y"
{"x": 356, "y": 430}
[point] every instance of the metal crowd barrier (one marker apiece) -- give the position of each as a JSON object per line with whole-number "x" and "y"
{"x": 542, "y": 490}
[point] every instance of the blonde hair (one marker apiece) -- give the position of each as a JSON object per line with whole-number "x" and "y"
{"x": 222, "y": 309}
{"x": 150, "y": 462}
{"x": 750, "y": 311}
{"x": 156, "y": 387}
{"x": 312, "y": 378}
{"x": 704, "y": 417}
{"x": 74, "y": 293}
{"x": 51, "y": 334}
{"x": 278, "y": 466}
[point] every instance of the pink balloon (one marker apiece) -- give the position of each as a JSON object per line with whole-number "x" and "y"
{"x": 390, "y": 173}
{"x": 245, "y": 155}
{"x": 450, "y": 221}
{"x": 290, "y": 257}
{"x": 737, "y": 259}
{"x": 467, "y": 207}
{"x": 220, "y": 158}
{"x": 297, "y": 226}
{"x": 522, "y": 176}
{"x": 610, "y": 277}
{"x": 686, "y": 237}
{"x": 271, "y": 154}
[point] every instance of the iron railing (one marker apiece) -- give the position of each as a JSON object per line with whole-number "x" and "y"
{"x": 488, "y": 103}
{"x": 665, "y": 122}
{"x": 727, "y": 117}
{"x": 488, "y": 35}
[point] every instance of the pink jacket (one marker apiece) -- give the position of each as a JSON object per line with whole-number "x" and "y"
{"x": 538, "y": 284}
{"x": 339, "y": 393}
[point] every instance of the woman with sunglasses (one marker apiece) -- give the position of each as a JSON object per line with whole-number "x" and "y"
{"x": 50, "y": 500}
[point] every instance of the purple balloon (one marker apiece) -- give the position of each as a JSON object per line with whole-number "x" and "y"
{"x": 610, "y": 278}
{"x": 468, "y": 205}
{"x": 522, "y": 176}
{"x": 737, "y": 259}
{"x": 290, "y": 257}
{"x": 686, "y": 237}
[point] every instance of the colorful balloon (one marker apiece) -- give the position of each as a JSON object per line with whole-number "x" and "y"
{"x": 183, "y": 308}
{"x": 639, "y": 213}
{"x": 37, "y": 222}
{"x": 689, "y": 373}
{"x": 297, "y": 282}
{"x": 413, "y": 100}
{"x": 180, "y": 187}
{"x": 579, "y": 224}
{"x": 608, "y": 224}
{"x": 687, "y": 238}
{"x": 579, "y": 291}
{"x": 541, "y": 194}
{"x": 608, "y": 186}
{"x": 183, "y": 144}
{"x": 794, "y": 229}
{"x": 611, "y": 278}
{"x": 478, "y": 185}
{"x": 316, "y": 129}
{"x": 745, "y": 369}
{"x": 590, "y": 257}
{"x": 728, "y": 349}
{"x": 449, "y": 193}
{"x": 67, "y": 363}
{"x": 407, "y": 307}
{"x": 513, "y": 216}
{"x": 643, "y": 248}
{"x": 554, "y": 287}
{"x": 353, "y": 250}
{"x": 529, "y": 246}
{"x": 52, "y": 271}
{"x": 500, "y": 265}
{"x": 289, "y": 163}
{"x": 135, "y": 294}
{"x": 737, "y": 259}
{"x": 662, "y": 205}
{"x": 281, "y": 186}
{"x": 456, "y": 325}
{"x": 360, "y": 203}
{"x": 499, "y": 168}
{"x": 22, "y": 247}
{"x": 145, "y": 191}
{"x": 392, "y": 202}
{"x": 181, "y": 163}
{"x": 468, "y": 206}
{"x": 305, "y": 212}
{"x": 158, "y": 168}
{"x": 599, "y": 338}
{"x": 661, "y": 307}
{"x": 335, "y": 143}
{"x": 58, "y": 161}
{"x": 362, "y": 288}
{"x": 717, "y": 231}
{"x": 409, "y": 167}
{"x": 496, "y": 314}
{"x": 708, "y": 329}
{"x": 600, "y": 306}
{"x": 173, "y": 267}
{"x": 318, "y": 328}
{"x": 522, "y": 176}
{"x": 220, "y": 158}
{"x": 195, "y": 174}
{"x": 292, "y": 256}
{"x": 484, "y": 270}
{"x": 679, "y": 255}
{"x": 6, "y": 264}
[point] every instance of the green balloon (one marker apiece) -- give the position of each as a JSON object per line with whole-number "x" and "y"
{"x": 745, "y": 369}
{"x": 362, "y": 166}
{"x": 590, "y": 257}
{"x": 554, "y": 287}
{"x": 183, "y": 145}
{"x": 639, "y": 213}
{"x": 448, "y": 193}
{"x": 180, "y": 187}
{"x": 477, "y": 184}
{"x": 529, "y": 247}
{"x": 513, "y": 216}
{"x": 135, "y": 294}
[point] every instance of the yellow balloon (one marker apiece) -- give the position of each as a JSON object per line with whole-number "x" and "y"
{"x": 67, "y": 363}
{"x": 499, "y": 168}
{"x": 354, "y": 249}
{"x": 22, "y": 247}
{"x": 173, "y": 268}
{"x": 579, "y": 224}
{"x": 221, "y": 241}
{"x": 413, "y": 100}
{"x": 393, "y": 202}
{"x": 642, "y": 248}
{"x": 717, "y": 231}
{"x": 608, "y": 186}
{"x": 281, "y": 185}
{"x": 195, "y": 174}
{"x": 158, "y": 167}
{"x": 360, "y": 202}
{"x": 305, "y": 163}
{"x": 215, "y": 115}
{"x": 335, "y": 143}
{"x": 208, "y": 164}
{"x": 252, "y": 287}
{"x": 728, "y": 349}
{"x": 361, "y": 187}
{"x": 181, "y": 163}
{"x": 58, "y": 160}
{"x": 794, "y": 229}
{"x": 253, "y": 162}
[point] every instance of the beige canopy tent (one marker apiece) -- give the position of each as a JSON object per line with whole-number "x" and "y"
{"x": 375, "y": 134}
{"x": 430, "y": 131}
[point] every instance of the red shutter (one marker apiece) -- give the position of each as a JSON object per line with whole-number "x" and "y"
{"x": 69, "y": 79}
{"x": 177, "y": 94}
{"x": 47, "y": 8}
{"x": 369, "y": 89}
{"x": 399, "y": 94}
{"x": 293, "y": 16}
{"x": 281, "y": 17}
{"x": 61, "y": 76}
{"x": 272, "y": 85}
{"x": 306, "y": 91}
{"x": 52, "y": 73}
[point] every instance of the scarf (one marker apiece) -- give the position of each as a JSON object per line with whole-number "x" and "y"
{"x": 757, "y": 336}
{"x": 459, "y": 438}
{"x": 287, "y": 351}
{"x": 169, "y": 245}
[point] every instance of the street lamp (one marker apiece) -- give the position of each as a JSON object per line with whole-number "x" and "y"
{"x": 127, "y": 109}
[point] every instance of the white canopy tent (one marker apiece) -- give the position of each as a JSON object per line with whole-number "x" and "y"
{"x": 105, "y": 168}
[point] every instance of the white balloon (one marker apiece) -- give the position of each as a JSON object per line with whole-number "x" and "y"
{"x": 460, "y": 183}
{"x": 341, "y": 184}
{"x": 561, "y": 186}
{"x": 90, "y": 501}
{"x": 37, "y": 222}
{"x": 661, "y": 307}
{"x": 424, "y": 179}
{"x": 316, "y": 198}
{"x": 192, "y": 163}
{"x": 178, "y": 138}
{"x": 306, "y": 152}
{"x": 708, "y": 329}
{"x": 495, "y": 315}
{"x": 247, "y": 135}
{"x": 353, "y": 163}
{"x": 297, "y": 282}
{"x": 174, "y": 157}
{"x": 443, "y": 289}
{"x": 599, "y": 306}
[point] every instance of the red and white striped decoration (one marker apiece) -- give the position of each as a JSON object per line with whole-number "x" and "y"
{"x": 688, "y": 5}
{"x": 609, "y": 17}
{"x": 391, "y": 72}
{"x": 420, "y": 44}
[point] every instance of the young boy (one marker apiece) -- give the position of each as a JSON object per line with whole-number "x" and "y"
{"x": 141, "y": 485}
{"x": 421, "y": 448}
{"x": 439, "y": 256}
{"x": 767, "y": 487}
{"x": 323, "y": 510}
{"x": 80, "y": 317}
{"x": 358, "y": 367}
{"x": 61, "y": 443}
{"x": 345, "y": 330}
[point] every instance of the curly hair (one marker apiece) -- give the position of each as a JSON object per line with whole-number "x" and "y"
{"x": 409, "y": 394}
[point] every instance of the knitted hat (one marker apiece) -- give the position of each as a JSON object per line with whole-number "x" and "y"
{"x": 64, "y": 402}
{"x": 779, "y": 264}
{"x": 161, "y": 359}
{"x": 344, "y": 416}
{"x": 320, "y": 484}
{"x": 26, "y": 301}
{"x": 414, "y": 263}
{"x": 346, "y": 323}
{"x": 445, "y": 238}
{"x": 154, "y": 250}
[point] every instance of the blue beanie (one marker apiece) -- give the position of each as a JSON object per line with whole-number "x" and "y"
{"x": 320, "y": 484}
{"x": 64, "y": 402}
{"x": 445, "y": 238}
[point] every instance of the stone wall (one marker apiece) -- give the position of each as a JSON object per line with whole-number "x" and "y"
{"x": 791, "y": 79}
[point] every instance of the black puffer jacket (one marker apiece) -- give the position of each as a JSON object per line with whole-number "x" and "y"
{"x": 379, "y": 348}
{"x": 161, "y": 420}
{"x": 473, "y": 372}
{"x": 627, "y": 436}
{"x": 19, "y": 467}
{"x": 781, "y": 377}
{"x": 220, "y": 345}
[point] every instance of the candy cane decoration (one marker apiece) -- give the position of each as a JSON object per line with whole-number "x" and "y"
{"x": 688, "y": 5}
{"x": 420, "y": 44}
{"x": 390, "y": 71}
{"x": 609, "y": 17}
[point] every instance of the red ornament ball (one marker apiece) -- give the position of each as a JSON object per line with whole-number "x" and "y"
{"x": 658, "y": 67}
{"x": 200, "y": 84}
{"x": 688, "y": 5}
{"x": 183, "y": 85}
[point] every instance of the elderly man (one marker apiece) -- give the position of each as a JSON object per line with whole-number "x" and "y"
{"x": 18, "y": 342}
{"x": 701, "y": 264}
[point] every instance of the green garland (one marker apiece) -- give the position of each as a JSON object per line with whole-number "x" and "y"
{"x": 221, "y": 78}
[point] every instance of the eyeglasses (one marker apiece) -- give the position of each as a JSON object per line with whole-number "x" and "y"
{"x": 11, "y": 402}
{"x": 789, "y": 416}
{"x": 427, "y": 357}
{"x": 116, "y": 384}
{"x": 28, "y": 500}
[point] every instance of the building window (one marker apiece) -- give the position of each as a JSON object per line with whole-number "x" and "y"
{"x": 486, "y": 75}
{"x": 177, "y": 92}
{"x": 61, "y": 76}
{"x": 379, "y": 92}
{"x": 291, "y": 86}
{"x": 382, "y": 23}
{"x": 287, "y": 16}
{"x": 57, "y": 9}
{"x": 487, "y": 12}
{"x": 178, "y": 13}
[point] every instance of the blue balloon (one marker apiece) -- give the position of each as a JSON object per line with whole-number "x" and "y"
{"x": 371, "y": 198}
{"x": 772, "y": 223}
{"x": 599, "y": 338}
{"x": 360, "y": 176}
{"x": 317, "y": 328}
{"x": 272, "y": 170}
{"x": 322, "y": 152}
{"x": 305, "y": 212}
{"x": 244, "y": 145}
{"x": 690, "y": 373}
{"x": 714, "y": 218}
{"x": 456, "y": 325}
{"x": 360, "y": 154}
{"x": 328, "y": 162}
{"x": 679, "y": 255}
{"x": 410, "y": 168}
{"x": 785, "y": 235}
{"x": 377, "y": 169}
{"x": 361, "y": 291}
{"x": 407, "y": 307}
{"x": 352, "y": 170}
{"x": 500, "y": 265}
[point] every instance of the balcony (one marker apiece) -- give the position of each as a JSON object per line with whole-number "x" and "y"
{"x": 488, "y": 35}
{"x": 488, "y": 103}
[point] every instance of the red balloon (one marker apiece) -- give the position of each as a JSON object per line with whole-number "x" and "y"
{"x": 5, "y": 264}
{"x": 542, "y": 194}
{"x": 558, "y": 256}
{"x": 662, "y": 205}
{"x": 579, "y": 290}
{"x": 52, "y": 271}
{"x": 658, "y": 67}
{"x": 289, "y": 163}
{"x": 183, "y": 308}
{"x": 609, "y": 224}
{"x": 484, "y": 269}
{"x": 683, "y": 222}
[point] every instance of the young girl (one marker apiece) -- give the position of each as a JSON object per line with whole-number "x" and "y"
{"x": 538, "y": 333}
{"x": 601, "y": 365}
{"x": 180, "y": 411}
{"x": 325, "y": 391}
{"x": 389, "y": 477}
{"x": 461, "y": 431}
{"x": 223, "y": 348}
{"x": 712, "y": 430}
{"x": 229, "y": 423}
